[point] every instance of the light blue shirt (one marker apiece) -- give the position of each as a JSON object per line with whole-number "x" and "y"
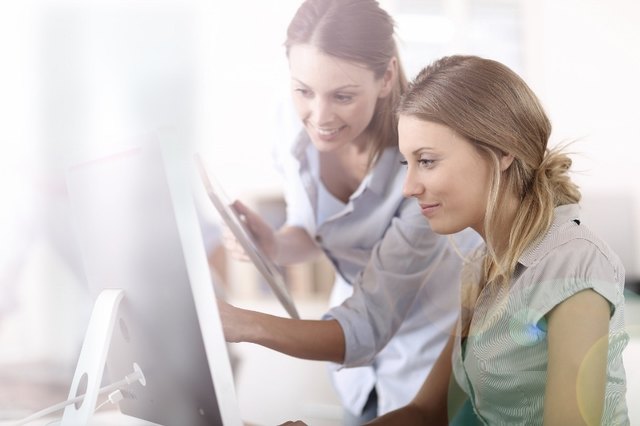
{"x": 404, "y": 278}
{"x": 503, "y": 365}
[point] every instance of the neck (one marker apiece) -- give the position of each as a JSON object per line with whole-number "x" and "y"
{"x": 345, "y": 162}
{"x": 505, "y": 217}
{"x": 353, "y": 156}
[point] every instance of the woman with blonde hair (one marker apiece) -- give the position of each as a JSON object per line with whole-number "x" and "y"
{"x": 541, "y": 330}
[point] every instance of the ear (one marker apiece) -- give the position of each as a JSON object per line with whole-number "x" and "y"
{"x": 505, "y": 161}
{"x": 389, "y": 78}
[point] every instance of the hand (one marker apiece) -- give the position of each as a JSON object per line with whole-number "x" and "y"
{"x": 232, "y": 246}
{"x": 261, "y": 231}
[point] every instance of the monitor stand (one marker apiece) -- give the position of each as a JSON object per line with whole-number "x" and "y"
{"x": 91, "y": 363}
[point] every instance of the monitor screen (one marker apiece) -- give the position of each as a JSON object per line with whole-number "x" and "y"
{"x": 138, "y": 231}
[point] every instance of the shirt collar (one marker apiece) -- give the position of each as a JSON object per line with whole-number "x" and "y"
{"x": 561, "y": 215}
{"x": 378, "y": 178}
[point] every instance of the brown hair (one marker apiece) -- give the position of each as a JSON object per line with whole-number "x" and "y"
{"x": 357, "y": 31}
{"x": 490, "y": 105}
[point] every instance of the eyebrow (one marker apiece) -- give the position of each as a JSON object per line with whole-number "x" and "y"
{"x": 421, "y": 149}
{"x": 346, "y": 86}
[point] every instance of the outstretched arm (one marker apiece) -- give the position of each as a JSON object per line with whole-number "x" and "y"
{"x": 320, "y": 340}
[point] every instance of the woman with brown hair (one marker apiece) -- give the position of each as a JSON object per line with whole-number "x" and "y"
{"x": 393, "y": 299}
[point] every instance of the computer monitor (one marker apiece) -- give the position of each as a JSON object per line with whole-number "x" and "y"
{"x": 137, "y": 229}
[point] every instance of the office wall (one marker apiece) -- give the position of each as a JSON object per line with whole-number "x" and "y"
{"x": 583, "y": 60}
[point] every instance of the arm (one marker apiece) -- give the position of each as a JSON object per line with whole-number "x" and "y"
{"x": 290, "y": 244}
{"x": 576, "y": 375}
{"x": 294, "y": 245}
{"x": 308, "y": 339}
{"x": 430, "y": 404}
{"x": 412, "y": 275}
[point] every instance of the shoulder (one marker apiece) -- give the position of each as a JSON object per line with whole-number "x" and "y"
{"x": 286, "y": 131}
{"x": 573, "y": 249}
{"x": 387, "y": 174}
{"x": 571, "y": 258}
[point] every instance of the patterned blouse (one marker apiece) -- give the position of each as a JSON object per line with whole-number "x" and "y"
{"x": 502, "y": 365}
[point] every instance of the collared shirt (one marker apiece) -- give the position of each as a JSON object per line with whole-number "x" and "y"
{"x": 404, "y": 277}
{"x": 503, "y": 364}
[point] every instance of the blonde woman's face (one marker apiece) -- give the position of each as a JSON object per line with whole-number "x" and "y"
{"x": 334, "y": 99}
{"x": 445, "y": 174}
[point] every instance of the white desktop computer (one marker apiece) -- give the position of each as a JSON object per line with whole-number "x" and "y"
{"x": 155, "y": 326}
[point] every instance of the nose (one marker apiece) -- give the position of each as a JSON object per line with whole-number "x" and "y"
{"x": 411, "y": 187}
{"x": 321, "y": 111}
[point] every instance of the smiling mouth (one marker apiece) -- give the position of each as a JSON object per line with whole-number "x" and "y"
{"x": 328, "y": 132}
{"x": 429, "y": 209}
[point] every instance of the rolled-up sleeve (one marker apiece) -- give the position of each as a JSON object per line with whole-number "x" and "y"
{"x": 386, "y": 289}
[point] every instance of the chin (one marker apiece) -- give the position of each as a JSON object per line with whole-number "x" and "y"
{"x": 445, "y": 228}
{"x": 326, "y": 146}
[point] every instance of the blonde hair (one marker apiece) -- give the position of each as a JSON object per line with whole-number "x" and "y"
{"x": 358, "y": 31}
{"x": 490, "y": 105}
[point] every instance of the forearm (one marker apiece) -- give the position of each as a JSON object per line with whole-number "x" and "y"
{"x": 294, "y": 245}
{"x": 321, "y": 340}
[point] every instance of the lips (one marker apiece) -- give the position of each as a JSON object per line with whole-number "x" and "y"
{"x": 327, "y": 133}
{"x": 429, "y": 209}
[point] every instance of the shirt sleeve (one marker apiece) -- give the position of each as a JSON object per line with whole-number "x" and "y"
{"x": 285, "y": 134}
{"x": 570, "y": 268}
{"x": 384, "y": 292}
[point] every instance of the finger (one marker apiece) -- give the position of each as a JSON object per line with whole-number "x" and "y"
{"x": 240, "y": 208}
{"x": 233, "y": 247}
{"x": 244, "y": 214}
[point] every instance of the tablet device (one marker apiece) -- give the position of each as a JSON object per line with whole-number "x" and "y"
{"x": 265, "y": 265}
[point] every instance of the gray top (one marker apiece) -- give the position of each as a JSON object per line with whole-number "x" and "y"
{"x": 404, "y": 276}
{"x": 503, "y": 363}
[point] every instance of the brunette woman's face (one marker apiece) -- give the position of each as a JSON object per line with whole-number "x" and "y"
{"x": 335, "y": 99}
{"x": 446, "y": 174}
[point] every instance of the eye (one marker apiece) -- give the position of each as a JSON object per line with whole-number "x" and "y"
{"x": 343, "y": 98}
{"x": 303, "y": 92}
{"x": 425, "y": 162}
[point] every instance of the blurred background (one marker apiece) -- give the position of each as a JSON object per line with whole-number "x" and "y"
{"x": 91, "y": 74}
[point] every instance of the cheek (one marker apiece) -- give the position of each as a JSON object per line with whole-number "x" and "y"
{"x": 363, "y": 113}
{"x": 300, "y": 105}
{"x": 443, "y": 182}
{"x": 458, "y": 190}
{"x": 477, "y": 192}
